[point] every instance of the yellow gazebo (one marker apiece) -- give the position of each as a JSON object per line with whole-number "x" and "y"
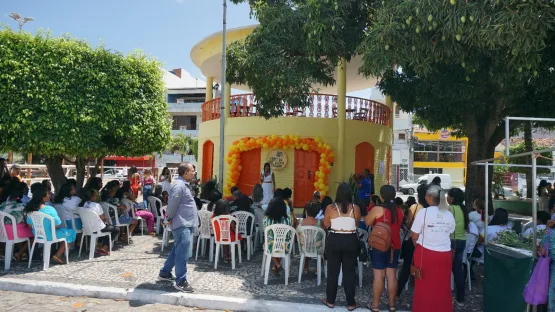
{"x": 310, "y": 149}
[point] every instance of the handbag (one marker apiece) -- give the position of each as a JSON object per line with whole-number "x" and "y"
{"x": 415, "y": 271}
{"x": 408, "y": 245}
{"x": 536, "y": 291}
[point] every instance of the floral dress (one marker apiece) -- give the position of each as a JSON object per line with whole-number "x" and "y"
{"x": 284, "y": 220}
{"x": 551, "y": 244}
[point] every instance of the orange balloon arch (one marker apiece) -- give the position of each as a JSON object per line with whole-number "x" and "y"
{"x": 286, "y": 142}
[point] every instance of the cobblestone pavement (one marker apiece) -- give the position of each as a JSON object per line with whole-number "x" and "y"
{"x": 16, "y": 301}
{"x": 137, "y": 266}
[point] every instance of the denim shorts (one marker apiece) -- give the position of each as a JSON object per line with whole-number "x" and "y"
{"x": 382, "y": 260}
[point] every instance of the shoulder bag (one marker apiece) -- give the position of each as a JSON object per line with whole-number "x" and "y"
{"x": 408, "y": 245}
{"x": 415, "y": 271}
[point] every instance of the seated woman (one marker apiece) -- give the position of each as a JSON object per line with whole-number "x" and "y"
{"x": 105, "y": 226}
{"x": 109, "y": 195}
{"x": 312, "y": 210}
{"x": 38, "y": 203}
{"x": 276, "y": 213}
{"x": 15, "y": 207}
{"x": 66, "y": 197}
{"x": 221, "y": 208}
{"x": 126, "y": 193}
{"x": 213, "y": 197}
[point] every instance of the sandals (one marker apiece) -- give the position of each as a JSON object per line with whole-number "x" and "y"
{"x": 369, "y": 307}
{"x": 325, "y": 302}
{"x": 355, "y": 307}
{"x": 58, "y": 260}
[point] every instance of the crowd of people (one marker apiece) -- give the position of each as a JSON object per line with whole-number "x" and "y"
{"x": 429, "y": 233}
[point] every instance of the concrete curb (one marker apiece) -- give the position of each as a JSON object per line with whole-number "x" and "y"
{"x": 154, "y": 296}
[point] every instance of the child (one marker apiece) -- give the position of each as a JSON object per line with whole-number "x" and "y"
{"x": 89, "y": 203}
{"x": 222, "y": 209}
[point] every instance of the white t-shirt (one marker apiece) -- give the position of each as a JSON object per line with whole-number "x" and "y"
{"x": 96, "y": 208}
{"x": 472, "y": 237}
{"x": 539, "y": 227}
{"x": 476, "y": 219}
{"x": 70, "y": 206}
{"x": 435, "y": 230}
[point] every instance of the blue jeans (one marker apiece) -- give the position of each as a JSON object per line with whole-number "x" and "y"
{"x": 147, "y": 191}
{"x": 460, "y": 246}
{"x": 179, "y": 254}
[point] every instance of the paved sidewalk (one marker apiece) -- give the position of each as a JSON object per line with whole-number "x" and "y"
{"x": 136, "y": 267}
{"x": 17, "y": 301}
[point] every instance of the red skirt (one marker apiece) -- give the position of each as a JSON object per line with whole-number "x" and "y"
{"x": 433, "y": 292}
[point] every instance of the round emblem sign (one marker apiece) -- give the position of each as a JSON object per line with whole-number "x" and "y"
{"x": 444, "y": 134}
{"x": 277, "y": 159}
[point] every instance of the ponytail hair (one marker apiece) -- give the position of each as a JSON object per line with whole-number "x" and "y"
{"x": 387, "y": 192}
{"x": 34, "y": 204}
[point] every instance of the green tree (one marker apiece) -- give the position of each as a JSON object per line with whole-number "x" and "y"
{"x": 459, "y": 64}
{"x": 63, "y": 98}
{"x": 185, "y": 145}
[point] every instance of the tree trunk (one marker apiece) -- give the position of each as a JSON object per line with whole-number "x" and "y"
{"x": 529, "y": 147}
{"x": 80, "y": 167}
{"x": 480, "y": 146}
{"x": 56, "y": 171}
{"x": 98, "y": 163}
{"x": 181, "y": 157}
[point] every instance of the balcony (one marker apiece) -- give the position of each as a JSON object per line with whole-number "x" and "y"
{"x": 321, "y": 106}
{"x": 185, "y": 107}
{"x": 185, "y": 132}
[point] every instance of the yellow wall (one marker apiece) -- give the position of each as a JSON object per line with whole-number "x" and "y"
{"x": 355, "y": 133}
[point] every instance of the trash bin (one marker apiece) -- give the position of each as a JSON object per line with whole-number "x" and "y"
{"x": 506, "y": 273}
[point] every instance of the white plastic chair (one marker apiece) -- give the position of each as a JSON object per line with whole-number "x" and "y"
{"x": 166, "y": 230}
{"x": 107, "y": 207}
{"x": 158, "y": 217}
{"x": 224, "y": 224}
{"x": 279, "y": 249}
{"x": 243, "y": 229}
{"x": 10, "y": 242}
{"x": 205, "y": 234}
{"x": 307, "y": 238}
{"x": 38, "y": 218}
{"x": 91, "y": 228}
{"x": 131, "y": 208}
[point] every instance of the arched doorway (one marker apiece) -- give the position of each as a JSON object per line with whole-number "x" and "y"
{"x": 207, "y": 160}
{"x": 306, "y": 165}
{"x": 250, "y": 173}
{"x": 364, "y": 157}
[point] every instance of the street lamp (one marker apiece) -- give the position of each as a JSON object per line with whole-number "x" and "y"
{"x": 21, "y": 20}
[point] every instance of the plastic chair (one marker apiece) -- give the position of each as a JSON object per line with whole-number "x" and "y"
{"x": 107, "y": 207}
{"x": 38, "y": 218}
{"x": 166, "y": 230}
{"x": 279, "y": 249}
{"x": 243, "y": 218}
{"x": 158, "y": 217}
{"x": 224, "y": 224}
{"x": 205, "y": 234}
{"x": 307, "y": 239}
{"x": 91, "y": 228}
{"x": 259, "y": 229}
{"x": 10, "y": 242}
{"x": 131, "y": 207}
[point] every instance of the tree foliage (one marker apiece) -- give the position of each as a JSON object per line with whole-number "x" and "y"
{"x": 545, "y": 160}
{"x": 60, "y": 96}
{"x": 185, "y": 145}
{"x": 455, "y": 64}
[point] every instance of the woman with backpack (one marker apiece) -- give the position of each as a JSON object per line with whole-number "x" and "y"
{"x": 385, "y": 244}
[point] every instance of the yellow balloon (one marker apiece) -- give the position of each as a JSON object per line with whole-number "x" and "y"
{"x": 234, "y": 156}
{"x": 321, "y": 186}
{"x": 316, "y": 184}
{"x": 265, "y": 145}
{"x": 305, "y": 147}
{"x": 321, "y": 181}
{"x": 319, "y": 145}
{"x": 318, "y": 139}
{"x": 323, "y": 155}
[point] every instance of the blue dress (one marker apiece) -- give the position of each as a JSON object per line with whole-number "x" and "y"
{"x": 551, "y": 243}
{"x": 68, "y": 234}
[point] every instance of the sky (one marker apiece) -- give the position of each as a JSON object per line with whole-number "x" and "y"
{"x": 164, "y": 29}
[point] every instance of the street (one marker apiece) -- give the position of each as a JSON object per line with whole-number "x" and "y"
{"x": 17, "y": 301}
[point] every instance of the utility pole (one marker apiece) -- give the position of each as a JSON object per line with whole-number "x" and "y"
{"x": 222, "y": 102}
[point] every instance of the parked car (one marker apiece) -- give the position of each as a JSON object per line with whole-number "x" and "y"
{"x": 410, "y": 188}
{"x": 112, "y": 173}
